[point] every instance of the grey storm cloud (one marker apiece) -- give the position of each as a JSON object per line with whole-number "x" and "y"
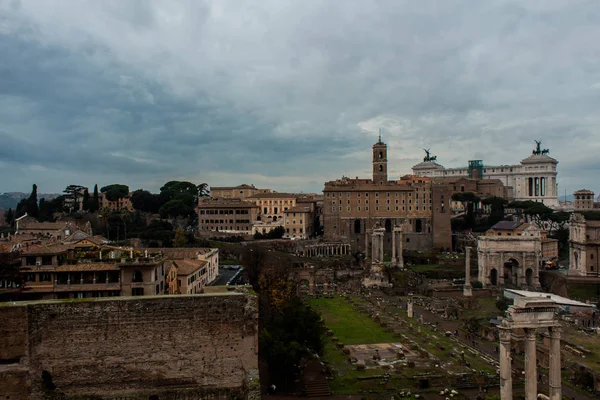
{"x": 289, "y": 94}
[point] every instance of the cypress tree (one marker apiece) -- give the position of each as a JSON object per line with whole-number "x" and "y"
{"x": 32, "y": 203}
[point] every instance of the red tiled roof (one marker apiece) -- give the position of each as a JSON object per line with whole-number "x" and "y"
{"x": 42, "y": 249}
{"x": 188, "y": 267}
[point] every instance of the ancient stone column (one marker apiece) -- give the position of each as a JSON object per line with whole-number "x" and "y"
{"x": 374, "y": 248}
{"x": 467, "y": 290}
{"x": 505, "y": 364}
{"x": 530, "y": 365}
{"x": 400, "y": 249}
{"x": 555, "y": 385}
{"x": 381, "y": 236}
{"x": 394, "y": 246}
{"x": 409, "y": 308}
{"x": 367, "y": 249}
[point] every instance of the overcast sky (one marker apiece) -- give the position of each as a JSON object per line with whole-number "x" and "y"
{"x": 290, "y": 94}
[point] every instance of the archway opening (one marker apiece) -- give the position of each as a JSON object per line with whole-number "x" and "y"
{"x": 388, "y": 225}
{"x": 529, "y": 276}
{"x": 418, "y": 225}
{"x": 357, "y": 226}
{"x": 494, "y": 276}
{"x": 511, "y": 270}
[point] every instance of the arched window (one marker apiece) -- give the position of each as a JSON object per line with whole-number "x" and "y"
{"x": 381, "y": 155}
{"x": 381, "y": 168}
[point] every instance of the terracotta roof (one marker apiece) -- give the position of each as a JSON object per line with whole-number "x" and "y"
{"x": 509, "y": 226}
{"x": 451, "y": 179}
{"x": 273, "y": 195}
{"x": 41, "y": 249}
{"x": 242, "y": 186}
{"x": 188, "y": 267}
{"x": 88, "y": 267}
{"x": 5, "y": 248}
{"x": 46, "y": 226}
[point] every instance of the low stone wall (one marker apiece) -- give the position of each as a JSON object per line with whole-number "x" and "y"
{"x": 173, "y": 347}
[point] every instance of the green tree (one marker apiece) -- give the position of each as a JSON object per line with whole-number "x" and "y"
{"x": 95, "y": 204}
{"x": 470, "y": 201}
{"x": 203, "y": 190}
{"x": 29, "y": 205}
{"x": 145, "y": 201}
{"x": 180, "y": 239}
{"x": 502, "y": 304}
{"x": 174, "y": 209}
{"x": 50, "y": 207}
{"x": 86, "y": 200}
{"x": 33, "y": 209}
{"x": 497, "y": 205}
{"x": 115, "y": 191}
{"x": 9, "y": 217}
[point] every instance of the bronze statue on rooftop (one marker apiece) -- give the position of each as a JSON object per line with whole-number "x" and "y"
{"x": 428, "y": 156}
{"x": 538, "y": 149}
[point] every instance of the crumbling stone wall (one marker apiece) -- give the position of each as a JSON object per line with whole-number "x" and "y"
{"x": 173, "y": 347}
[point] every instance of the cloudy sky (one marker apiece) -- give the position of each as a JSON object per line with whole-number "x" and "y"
{"x": 289, "y": 94}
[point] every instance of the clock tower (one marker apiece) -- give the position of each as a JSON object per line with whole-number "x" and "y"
{"x": 380, "y": 162}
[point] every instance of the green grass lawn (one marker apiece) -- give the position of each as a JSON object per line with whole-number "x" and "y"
{"x": 349, "y": 325}
{"x": 353, "y": 327}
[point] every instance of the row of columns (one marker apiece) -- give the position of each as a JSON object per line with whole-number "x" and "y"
{"x": 374, "y": 239}
{"x": 326, "y": 250}
{"x": 377, "y": 245}
{"x": 531, "y": 390}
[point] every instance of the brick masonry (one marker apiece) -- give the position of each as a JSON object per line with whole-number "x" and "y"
{"x": 173, "y": 347}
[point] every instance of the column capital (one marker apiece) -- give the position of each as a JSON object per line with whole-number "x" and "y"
{"x": 555, "y": 332}
{"x": 505, "y": 334}
{"x": 530, "y": 333}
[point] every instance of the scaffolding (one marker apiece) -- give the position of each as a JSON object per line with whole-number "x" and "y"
{"x": 476, "y": 169}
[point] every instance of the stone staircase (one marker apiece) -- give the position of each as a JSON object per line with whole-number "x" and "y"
{"x": 317, "y": 388}
{"x": 313, "y": 378}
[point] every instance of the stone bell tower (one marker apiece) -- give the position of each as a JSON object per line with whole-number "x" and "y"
{"x": 380, "y": 162}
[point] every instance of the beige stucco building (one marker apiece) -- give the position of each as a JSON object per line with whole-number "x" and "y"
{"x": 236, "y": 192}
{"x": 191, "y": 276}
{"x": 583, "y": 200}
{"x": 512, "y": 253}
{"x": 226, "y": 215}
{"x": 298, "y": 222}
{"x": 584, "y": 246}
{"x": 120, "y": 204}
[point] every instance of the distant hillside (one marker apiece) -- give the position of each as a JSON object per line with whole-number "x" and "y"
{"x": 11, "y": 199}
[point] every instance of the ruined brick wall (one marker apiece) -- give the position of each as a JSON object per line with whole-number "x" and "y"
{"x": 174, "y": 347}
